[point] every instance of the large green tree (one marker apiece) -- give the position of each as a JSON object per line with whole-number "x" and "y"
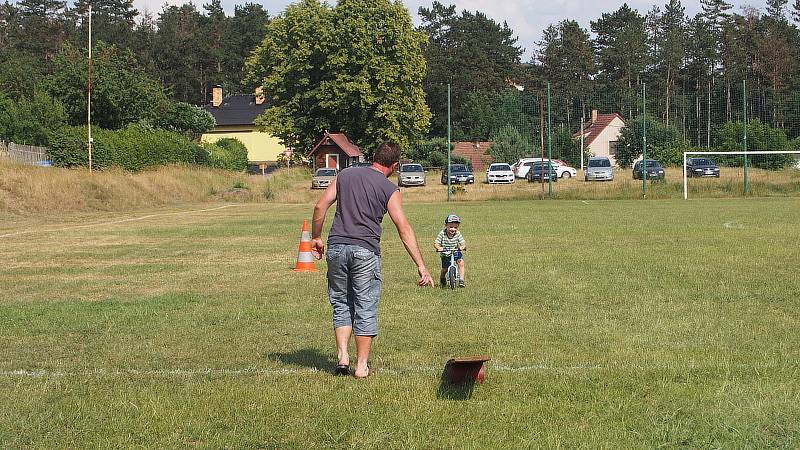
{"x": 121, "y": 92}
{"x": 363, "y": 78}
{"x": 471, "y": 52}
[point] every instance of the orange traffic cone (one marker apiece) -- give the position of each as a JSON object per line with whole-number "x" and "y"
{"x": 305, "y": 260}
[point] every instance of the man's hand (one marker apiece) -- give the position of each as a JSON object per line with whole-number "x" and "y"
{"x": 317, "y": 248}
{"x": 425, "y": 278}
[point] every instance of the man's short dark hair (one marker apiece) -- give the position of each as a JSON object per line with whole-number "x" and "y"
{"x": 387, "y": 154}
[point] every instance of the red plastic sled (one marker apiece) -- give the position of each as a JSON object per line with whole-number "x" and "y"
{"x": 469, "y": 369}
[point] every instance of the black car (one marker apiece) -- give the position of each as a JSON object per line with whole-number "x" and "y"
{"x": 654, "y": 169}
{"x": 542, "y": 172}
{"x": 701, "y": 167}
{"x": 459, "y": 174}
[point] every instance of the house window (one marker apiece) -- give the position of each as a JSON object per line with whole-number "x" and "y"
{"x": 612, "y": 148}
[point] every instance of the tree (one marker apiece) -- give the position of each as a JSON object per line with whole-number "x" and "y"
{"x": 664, "y": 142}
{"x": 364, "y": 78}
{"x": 471, "y": 52}
{"x": 246, "y": 30}
{"x": 42, "y": 22}
{"x": 508, "y": 145}
{"x": 30, "y": 121}
{"x": 776, "y": 9}
{"x": 671, "y": 51}
{"x": 121, "y": 92}
{"x": 796, "y": 11}
{"x": 621, "y": 45}
{"x": 113, "y": 21}
{"x": 179, "y": 52}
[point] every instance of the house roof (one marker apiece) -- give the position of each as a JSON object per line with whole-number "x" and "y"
{"x": 240, "y": 109}
{"x": 340, "y": 140}
{"x": 593, "y": 129}
{"x": 475, "y": 152}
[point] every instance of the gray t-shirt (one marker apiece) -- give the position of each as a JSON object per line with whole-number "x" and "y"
{"x": 362, "y": 196}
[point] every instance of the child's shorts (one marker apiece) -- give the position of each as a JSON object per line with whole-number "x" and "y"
{"x": 458, "y": 256}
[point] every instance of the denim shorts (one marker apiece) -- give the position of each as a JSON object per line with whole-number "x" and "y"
{"x": 354, "y": 287}
{"x": 457, "y": 256}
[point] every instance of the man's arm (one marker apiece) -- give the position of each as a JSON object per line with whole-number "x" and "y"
{"x": 408, "y": 237}
{"x": 318, "y": 219}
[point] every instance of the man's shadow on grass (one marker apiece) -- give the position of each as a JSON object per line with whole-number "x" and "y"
{"x": 307, "y": 357}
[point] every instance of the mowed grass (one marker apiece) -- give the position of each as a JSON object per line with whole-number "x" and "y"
{"x": 611, "y": 324}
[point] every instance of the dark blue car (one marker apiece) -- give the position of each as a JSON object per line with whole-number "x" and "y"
{"x": 459, "y": 174}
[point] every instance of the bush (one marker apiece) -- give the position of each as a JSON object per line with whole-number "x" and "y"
{"x": 760, "y": 136}
{"x": 433, "y": 153}
{"x": 228, "y": 154}
{"x": 30, "y": 120}
{"x": 133, "y": 148}
{"x": 183, "y": 117}
{"x": 68, "y": 148}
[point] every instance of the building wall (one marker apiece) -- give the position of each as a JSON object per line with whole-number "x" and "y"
{"x": 601, "y": 146}
{"x": 261, "y": 147}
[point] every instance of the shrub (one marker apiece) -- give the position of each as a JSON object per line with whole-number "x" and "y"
{"x": 68, "y": 148}
{"x": 30, "y": 120}
{"x": 183, "y": 117}
{"x": 133, "y": 148}
{"x": 760, "y": 136}
{"x": 508, "y": 145}
{"x": 228, "y": 154}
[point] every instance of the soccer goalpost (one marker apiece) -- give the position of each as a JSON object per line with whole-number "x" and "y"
{"x": 772, "y": 171}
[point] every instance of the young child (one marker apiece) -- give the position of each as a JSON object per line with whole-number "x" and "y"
{"x": 451, "y": 240}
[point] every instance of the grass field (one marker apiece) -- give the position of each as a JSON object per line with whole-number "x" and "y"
{"x": 623, "y": 324}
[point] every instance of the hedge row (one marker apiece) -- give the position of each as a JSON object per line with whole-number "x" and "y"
{"x": 137, "y": 147}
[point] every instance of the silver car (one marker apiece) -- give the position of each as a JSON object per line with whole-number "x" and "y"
{"x": 599, "y": 169}
{"x": 322, "y": 178}
{"x": 411, "y": 175}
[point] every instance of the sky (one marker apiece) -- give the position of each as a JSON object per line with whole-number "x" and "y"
{"x": 527, "y": 18}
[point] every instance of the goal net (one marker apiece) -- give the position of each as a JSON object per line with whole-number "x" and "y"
{"x": 741, "y": 173}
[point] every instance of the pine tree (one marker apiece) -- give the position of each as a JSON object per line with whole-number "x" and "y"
{"x": 43, "y": 25}
{"x": 113, "y": 21}
{"x": 796, "y": 11}
{"x": 776, "y": 9}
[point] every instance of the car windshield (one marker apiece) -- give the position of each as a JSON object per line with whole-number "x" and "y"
{"x": 599, "y": 163}
{"x": 411, "y": 168}
{"x": 703, "y": 162}
{"x": 326, "y": 172}
{"x": 458, "y": 168}
{"x": 538, "y": 166}
{"x": 652, "y": 163}
{"x": 499, "y": 167}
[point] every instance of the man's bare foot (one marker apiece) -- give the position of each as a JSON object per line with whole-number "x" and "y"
{"x": 362, "y": 374}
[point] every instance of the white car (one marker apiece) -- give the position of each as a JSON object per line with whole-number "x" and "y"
{"x": 499, "y": 173}
{"x": 521, "y": 167}
{"x": 563, "y": 170}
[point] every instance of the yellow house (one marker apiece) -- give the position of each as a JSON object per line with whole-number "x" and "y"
{"x": 235, "y": 116}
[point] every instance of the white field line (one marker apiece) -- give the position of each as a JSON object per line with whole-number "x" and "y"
{"x": 114, "y": 222}
{"x": 185, "y": 373}
{"x": 733, "y": 225}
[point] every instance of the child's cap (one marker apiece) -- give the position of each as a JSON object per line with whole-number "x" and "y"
{"x": 452, "y": 218}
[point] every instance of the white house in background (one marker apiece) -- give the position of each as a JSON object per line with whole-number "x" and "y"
{"x": 600, "y": 136}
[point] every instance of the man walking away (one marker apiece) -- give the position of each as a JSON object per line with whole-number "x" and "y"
{"x": 363, "y": 195}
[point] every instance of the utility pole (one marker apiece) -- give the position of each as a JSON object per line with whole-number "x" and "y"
{"x": 449, "y": 188}
{"x": 89, "y": 93}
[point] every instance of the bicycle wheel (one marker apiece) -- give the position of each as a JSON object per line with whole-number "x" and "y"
{"x": 452, "y": 277}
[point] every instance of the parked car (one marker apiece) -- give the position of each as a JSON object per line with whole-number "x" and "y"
{"x": 599, "y": 168}
{"x": 653, "y": 168}
{"x": 701, "y": 167}
{"x": 411, "y": 175}
{"x": 521, "y": 167}
{"x": 499, "y": 173}
{"x": 361, "y": 164}
{"x": 563, "y": 169}
{"x": 322, "y": 178}
{"x": 542, "y": 171}
{"x": 459, "y": 173}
